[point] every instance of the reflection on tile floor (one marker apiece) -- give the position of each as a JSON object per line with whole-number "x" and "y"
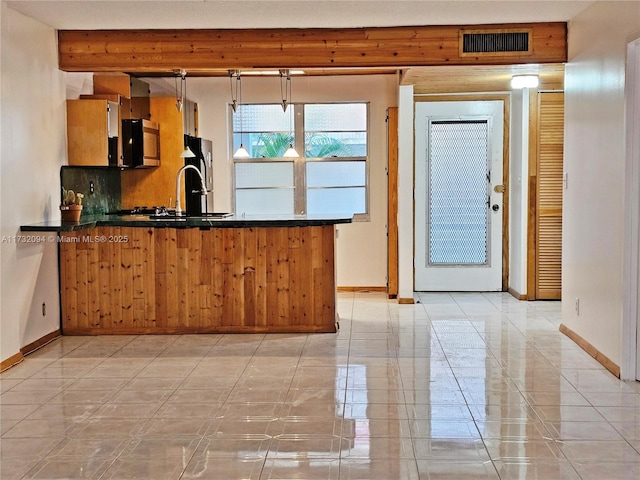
{"x": 458, "y": 386}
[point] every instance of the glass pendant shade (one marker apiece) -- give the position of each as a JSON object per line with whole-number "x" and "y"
{"x": 187, "y": 153}
{"x": 241, "y": 152}
{"x": 291, "y": 152}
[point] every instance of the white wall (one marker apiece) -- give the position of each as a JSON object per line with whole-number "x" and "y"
{"x": 361, "y": 246}
{"x": 593, "y": 224}
{"x": 33, "y": 149}
{"x": 405, "y": 191}
{"x": 518, "y": 190}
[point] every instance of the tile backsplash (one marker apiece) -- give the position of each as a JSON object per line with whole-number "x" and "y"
{"x": 106, "y": 193}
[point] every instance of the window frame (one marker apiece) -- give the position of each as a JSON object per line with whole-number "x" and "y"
{"x": 299, "y": 163}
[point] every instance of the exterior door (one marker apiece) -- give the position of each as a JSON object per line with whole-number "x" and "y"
{"x": 458, "y": 196}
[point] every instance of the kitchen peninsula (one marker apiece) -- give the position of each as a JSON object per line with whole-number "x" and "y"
{"x": 135, "y": 274}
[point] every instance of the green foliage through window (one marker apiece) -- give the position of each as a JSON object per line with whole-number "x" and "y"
{"x": 271, "y": 145}
{"x": 324, "y": 145}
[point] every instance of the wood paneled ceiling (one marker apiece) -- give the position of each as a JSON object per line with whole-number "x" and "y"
{"x": 479, "y": 78}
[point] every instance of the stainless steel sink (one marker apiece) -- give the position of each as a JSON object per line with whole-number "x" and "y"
{"x": 204, "y": 216}
{"x": 134, "y": 217}
{"x": 211, "y": 215}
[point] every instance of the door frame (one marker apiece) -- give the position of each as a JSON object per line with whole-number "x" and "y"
{"x": 506, "y": 99}
{"x": 392, "y": 202}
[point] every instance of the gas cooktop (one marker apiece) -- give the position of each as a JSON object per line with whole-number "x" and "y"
{"x": 143, "y": 211}
{"x": 163, "y": 212}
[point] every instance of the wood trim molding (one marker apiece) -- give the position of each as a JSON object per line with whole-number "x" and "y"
{"x": 392, "y": 202}
{"x": 532, "y": 179}
{"x": 361, "y": 289}
{"x": 41, "y": 342}
{"x": 506, "y": 162}
{"x": 27, "y": 349}
{"x": 591, "y": 350}
{"x": 11, "y": 361}
{"x": 406, "y": 301}
{"x": 208, "y": 52}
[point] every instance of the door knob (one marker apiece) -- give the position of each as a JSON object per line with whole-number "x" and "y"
{"x": 495, "y": 207}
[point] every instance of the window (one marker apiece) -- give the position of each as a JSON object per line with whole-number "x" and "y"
{"x": 329, "y": 177}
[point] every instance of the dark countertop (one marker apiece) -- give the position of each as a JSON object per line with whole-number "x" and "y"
{"x": 233, "y": 221}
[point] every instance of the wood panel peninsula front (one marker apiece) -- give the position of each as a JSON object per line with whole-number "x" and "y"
{"x": 121, "y": 275}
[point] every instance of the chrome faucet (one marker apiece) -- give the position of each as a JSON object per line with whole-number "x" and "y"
{"x": 203, "y": 188}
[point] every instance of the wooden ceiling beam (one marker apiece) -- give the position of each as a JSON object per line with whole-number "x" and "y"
{"x": 164, "y": 51}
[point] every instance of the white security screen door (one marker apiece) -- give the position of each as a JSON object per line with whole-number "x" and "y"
{"x": 458, "y": 196}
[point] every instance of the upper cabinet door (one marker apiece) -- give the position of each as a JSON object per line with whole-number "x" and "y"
{"x": 93, "y": 132}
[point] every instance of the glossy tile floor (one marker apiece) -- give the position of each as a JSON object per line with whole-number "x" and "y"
{"x": 458, "y": 386}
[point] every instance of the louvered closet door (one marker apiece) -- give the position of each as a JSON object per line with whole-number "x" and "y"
{"x": 549, "y": 196}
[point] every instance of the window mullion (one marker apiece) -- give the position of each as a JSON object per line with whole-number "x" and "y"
{"x": 299, "y": 164}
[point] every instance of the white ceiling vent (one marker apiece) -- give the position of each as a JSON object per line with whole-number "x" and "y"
{"x": 495, "y": 42}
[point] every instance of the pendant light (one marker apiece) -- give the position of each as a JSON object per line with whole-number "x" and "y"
{"x": 285, "y": 92}
{"x": 186, "y": 153}
{"x": 236, "y": 102}
{"x": 291, "y": 152}
{"x": 179, "y": 96}
{"x": 234, "y": 91}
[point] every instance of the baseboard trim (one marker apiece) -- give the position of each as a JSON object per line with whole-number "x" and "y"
{"x": 27, "y": 349}
{"x": 41, "y": 342}
{"x": 361, "y": 289}
{"x": 517, "y": 295}
{"x": 406, "y": 301}
{"x": 600, "y": 357}
{"x": 11, "y": 361}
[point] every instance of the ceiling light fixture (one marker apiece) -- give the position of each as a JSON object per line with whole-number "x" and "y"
{"x": 524, "y": 81}
{"x": 285, "y": 93}
{"x": 236, "y": 102}
{"x": 187, "y": 152}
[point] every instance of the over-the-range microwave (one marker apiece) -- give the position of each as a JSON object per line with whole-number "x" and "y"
{"x": 140, "y": 143}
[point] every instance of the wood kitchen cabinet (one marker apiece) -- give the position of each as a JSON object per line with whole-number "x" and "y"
{"x": 157, "y": 186}
{"x": 134, "y": 93}
{"x": 126, "y": 102}
{"x": 93, "y": 127}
